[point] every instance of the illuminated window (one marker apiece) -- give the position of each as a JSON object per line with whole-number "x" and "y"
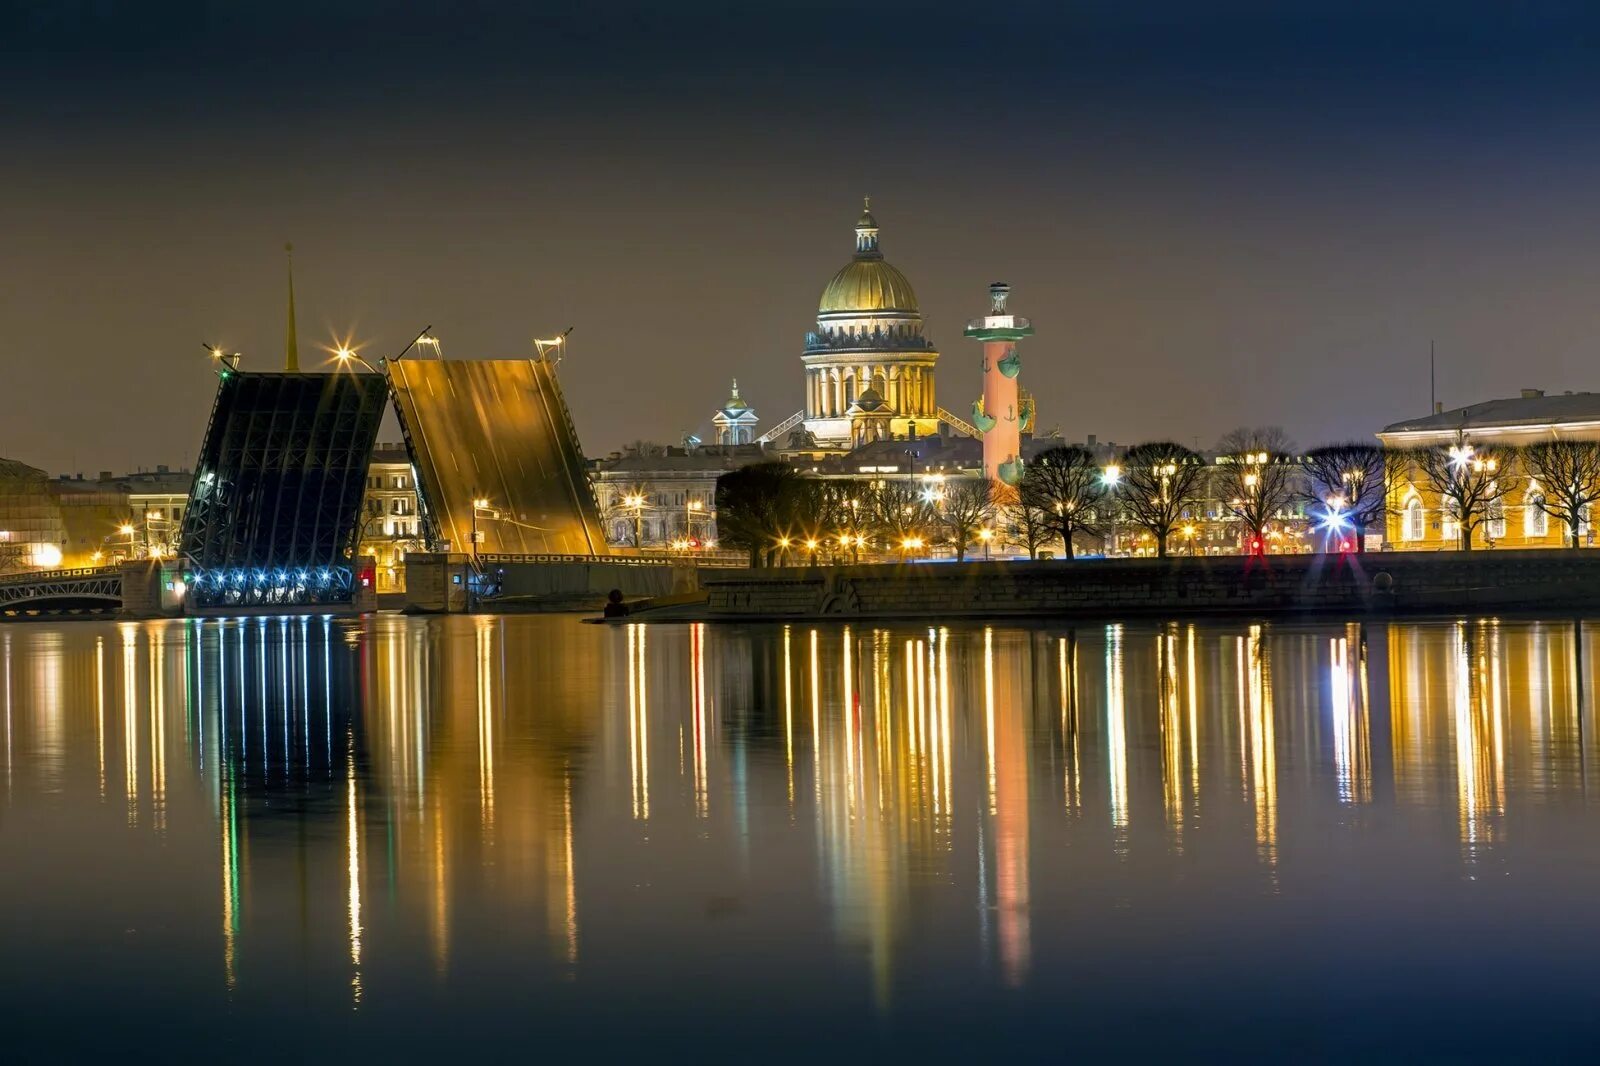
{"x": 1497, "y": 519}
{"x": 1535, "y": 522}
{"x": 1415, "y": 525}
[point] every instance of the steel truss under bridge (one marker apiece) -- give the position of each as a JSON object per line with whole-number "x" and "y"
{"x": 273, "y": 512}
{"x": 93, "y": 588}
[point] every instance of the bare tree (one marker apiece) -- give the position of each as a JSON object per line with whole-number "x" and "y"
{"x": 1069, "y": 488}
{"x": 1256, "y": 479}
{"x": 1160, "y": 482}
{"x": 645, "y": 449}
{"x": 1471, "y": 482}
{"x": 1027, "y": 525}
{"x": 1351, "y": 481}
{"x": 968, "y": 507}
{"x": 1567, "y": 473}
{"x": 898, "y": 511}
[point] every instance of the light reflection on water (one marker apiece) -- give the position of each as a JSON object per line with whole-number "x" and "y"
{"x": 918, "y": 834}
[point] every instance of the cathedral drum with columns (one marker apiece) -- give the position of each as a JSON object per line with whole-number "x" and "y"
{"x": 869, "y": 369}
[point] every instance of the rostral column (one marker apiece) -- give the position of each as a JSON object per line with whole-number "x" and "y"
{"x": 1002, "y": 416}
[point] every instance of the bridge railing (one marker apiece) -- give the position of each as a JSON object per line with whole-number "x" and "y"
{"x": 37, "y": 577}
{"x": 487, "y": 558}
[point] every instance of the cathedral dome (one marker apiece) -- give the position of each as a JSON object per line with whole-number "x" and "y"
{"x": 867, "y": 285}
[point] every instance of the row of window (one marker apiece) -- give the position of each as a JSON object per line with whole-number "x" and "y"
{"x": 1535, "y": 520}
{"x": 665, "y": 499}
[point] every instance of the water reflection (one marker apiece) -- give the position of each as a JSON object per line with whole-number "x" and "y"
{"x": 391, "y": 796}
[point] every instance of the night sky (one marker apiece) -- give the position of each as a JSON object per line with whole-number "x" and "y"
{"x": 1246, "y": 216}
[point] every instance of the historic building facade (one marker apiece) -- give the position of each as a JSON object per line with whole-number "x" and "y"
{"x": 869, "y": 370}
{"x": 390, "y": 519}
{"x": 664, "y": 498}
{"x": 1420, "y": 520}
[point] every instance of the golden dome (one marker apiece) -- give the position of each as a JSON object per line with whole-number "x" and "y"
{"x": 867, "y": 286}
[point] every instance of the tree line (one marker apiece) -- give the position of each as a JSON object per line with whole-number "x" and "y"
{"x": 1070, "y": 496}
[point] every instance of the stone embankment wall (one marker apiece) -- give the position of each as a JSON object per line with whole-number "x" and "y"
{"x": 1566, "y": 580}
{"x": 438, "y": 583}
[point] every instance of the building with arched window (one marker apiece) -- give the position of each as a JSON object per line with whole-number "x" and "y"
{"x": 1420, "y": 519}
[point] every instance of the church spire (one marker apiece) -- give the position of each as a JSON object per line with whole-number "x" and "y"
{"x": 291, "y": 343}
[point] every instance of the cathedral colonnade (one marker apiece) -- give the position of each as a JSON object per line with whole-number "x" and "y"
{"x": 831, "y": 390}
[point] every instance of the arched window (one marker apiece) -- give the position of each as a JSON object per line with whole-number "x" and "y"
{"x": 1535, "y": 522}
{"x": 1415, "y": 526}
{"x": 1497, "y": 519}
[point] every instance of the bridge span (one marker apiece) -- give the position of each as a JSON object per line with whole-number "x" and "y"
{"x": 85, "y": 590}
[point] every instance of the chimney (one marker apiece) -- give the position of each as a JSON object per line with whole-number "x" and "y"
{"x": 105, "y": 475}
{"x": 1532, "y": 394}
{"x": 1438, "y": 407}
{"x": 1091, "y": 442}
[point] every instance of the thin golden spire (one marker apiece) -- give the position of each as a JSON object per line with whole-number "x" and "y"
{"x": 291, "y": 343}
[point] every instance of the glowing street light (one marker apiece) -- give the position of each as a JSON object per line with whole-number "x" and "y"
{"x": 986, "y": 535}
{"x": 346, "y": 355}
{"x": 480, "y": 507}
{"x": 635, "y": 500}
{"x": 690, "y": 509}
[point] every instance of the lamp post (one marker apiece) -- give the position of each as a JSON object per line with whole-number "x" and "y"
{"x": 126, "y": 529}
{"x": 1111, "y": 479}
{"x": 480, "y": 506}
{"x": 636, "y": 501}
{"x": 690, "y": 509}
{"x": 986, "y": 535}
{"x": 1166, "y": 471}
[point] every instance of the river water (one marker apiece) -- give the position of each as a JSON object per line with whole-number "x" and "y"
{"x": 315, "y": 838}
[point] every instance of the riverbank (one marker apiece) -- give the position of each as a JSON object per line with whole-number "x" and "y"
{"x": 1280, "y": 585}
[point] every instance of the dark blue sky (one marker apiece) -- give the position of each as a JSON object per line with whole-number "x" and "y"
{"x": 1241, "y": 215}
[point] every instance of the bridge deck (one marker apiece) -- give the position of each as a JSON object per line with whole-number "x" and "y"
{"x": 499, "y": 430}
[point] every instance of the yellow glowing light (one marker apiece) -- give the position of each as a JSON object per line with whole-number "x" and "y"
{"x": 46, "y": 556}
{"x": 125, "y": 529}
{"x": 986, "y": 534}
{"x": 811, "y": 544}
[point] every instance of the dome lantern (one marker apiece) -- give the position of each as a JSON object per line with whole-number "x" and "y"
{"x": 867, "y": 232}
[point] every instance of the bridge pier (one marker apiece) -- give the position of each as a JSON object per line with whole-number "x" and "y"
{"x": 150, "y": 590}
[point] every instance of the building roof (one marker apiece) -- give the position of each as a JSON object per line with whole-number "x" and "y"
{"x": 16, "y": 469}
{"x": 391, "y": 453}
{"x": 1532, "y": 408}
{"x": 711, "y": 459}
{"x": 867, "y": 286}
